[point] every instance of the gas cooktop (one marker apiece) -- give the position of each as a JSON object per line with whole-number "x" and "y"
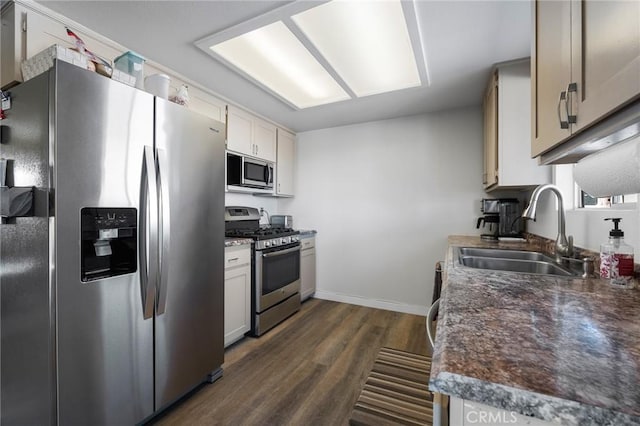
{"x": 261, "y": 233}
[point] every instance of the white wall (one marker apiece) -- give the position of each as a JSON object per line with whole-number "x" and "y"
{"x": 384, "y": 196}
{"x": 587, "y": 226}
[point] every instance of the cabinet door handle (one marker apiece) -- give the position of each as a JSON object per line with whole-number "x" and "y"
{"x": 233, "y": 259}
{"x": 572, "y": 87}
{"x": 563, "y": 97}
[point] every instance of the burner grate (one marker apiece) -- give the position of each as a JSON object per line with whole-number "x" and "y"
{"x": 261, "y": 233}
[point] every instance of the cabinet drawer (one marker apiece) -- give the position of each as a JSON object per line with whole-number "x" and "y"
{"x": 307, "y": 243}
{"x": 237, "y": 256}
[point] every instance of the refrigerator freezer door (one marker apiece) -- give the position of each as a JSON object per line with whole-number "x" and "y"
{"x": 189, "y": 322}
{"x": 27, "y": 370}
{"x": 105, "y": 346}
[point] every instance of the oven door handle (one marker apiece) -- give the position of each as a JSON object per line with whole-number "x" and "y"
{"x": 281, "y": 252}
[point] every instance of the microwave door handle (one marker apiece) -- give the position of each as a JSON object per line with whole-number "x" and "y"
{"x": 243, "y": 172}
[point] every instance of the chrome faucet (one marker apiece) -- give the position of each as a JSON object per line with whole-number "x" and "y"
{"x": 563, "y": 247}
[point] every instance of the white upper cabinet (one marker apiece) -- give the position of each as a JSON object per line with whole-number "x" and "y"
{"x": 585, "y": 66}
{"x": 239, "y": 131}
{"x": 507, "y": 111}
{"x": 250, "y": 135}
{"x": 264, "y": 138}
{"x": 285, "y": 164}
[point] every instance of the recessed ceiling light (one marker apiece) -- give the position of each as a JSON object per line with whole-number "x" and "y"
{"x": 366, "y": 42}
{"x": 275, "y": 58}
{"x": 308, "y": 54}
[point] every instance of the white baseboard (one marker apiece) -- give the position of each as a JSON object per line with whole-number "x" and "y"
{"x": 372, "y": 303}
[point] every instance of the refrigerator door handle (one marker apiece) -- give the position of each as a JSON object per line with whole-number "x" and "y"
{"x": 148, "y": 237}
{"x": 165, "y": 233}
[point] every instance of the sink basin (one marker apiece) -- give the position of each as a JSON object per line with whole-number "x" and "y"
{"x": 504, "y": 254}
{"x": 529, "y": 262}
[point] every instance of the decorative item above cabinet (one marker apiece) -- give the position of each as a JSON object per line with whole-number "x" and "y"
{"x": 507, "y": 135}
{"x": 585, "y": 73}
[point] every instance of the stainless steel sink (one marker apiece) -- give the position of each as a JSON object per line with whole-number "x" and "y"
{"x": 529, "y": 262}
{"x": 504, "y": 254}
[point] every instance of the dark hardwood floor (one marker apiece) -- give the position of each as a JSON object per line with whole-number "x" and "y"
{"x": 309, "y": 370}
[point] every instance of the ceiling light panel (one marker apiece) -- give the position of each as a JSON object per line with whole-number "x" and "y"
{"x": 366, "y": 42}
{"x": 275, "y": 58}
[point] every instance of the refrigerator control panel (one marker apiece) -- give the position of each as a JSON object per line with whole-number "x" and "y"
{"x": 109, "y": 241}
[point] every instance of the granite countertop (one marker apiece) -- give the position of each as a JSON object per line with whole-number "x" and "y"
{"x": 230, "y": 242}
{"x": 565, "y": 350}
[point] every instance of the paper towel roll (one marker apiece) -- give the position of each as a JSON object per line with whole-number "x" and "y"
{"x": 613, "y": 171}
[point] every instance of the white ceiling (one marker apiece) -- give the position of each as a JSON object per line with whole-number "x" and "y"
{"x": 462, "y": 40}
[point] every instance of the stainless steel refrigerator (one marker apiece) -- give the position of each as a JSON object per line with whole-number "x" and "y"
{"x": 112, "y": 285}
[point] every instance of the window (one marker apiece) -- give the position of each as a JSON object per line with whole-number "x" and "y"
{"x": 587, "y": 201}
{"x": 576, "y": 198}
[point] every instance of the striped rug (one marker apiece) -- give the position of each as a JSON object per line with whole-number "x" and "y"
{"x": 396, "y": 391}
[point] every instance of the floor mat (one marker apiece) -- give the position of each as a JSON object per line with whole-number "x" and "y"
{"x": 396, "y": 391}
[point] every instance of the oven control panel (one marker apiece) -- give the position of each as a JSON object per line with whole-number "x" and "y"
{"x": 276, "y": 242}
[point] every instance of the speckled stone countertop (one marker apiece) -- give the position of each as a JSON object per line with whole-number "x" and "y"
{"x": 230, "y": 242}
{"x": 565, "y": 350}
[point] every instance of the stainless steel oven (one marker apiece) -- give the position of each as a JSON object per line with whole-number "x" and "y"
{"x": 275, "y": 267}
{"x": 277, "y": 284}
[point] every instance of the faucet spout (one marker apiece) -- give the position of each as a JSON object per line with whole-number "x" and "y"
{"x": 562, "y": 248}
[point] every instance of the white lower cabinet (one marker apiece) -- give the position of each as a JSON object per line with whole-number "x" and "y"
{"x": 237, "y": 292}
{"x": 463, "y": 412}
{"x": 307, "y": 267}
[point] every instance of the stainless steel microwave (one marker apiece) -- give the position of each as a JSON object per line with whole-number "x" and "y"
{"x": 249, "y": 172}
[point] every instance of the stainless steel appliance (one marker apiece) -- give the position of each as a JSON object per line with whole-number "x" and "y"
{"x": 281, "y": 221}
{"x": 249, "y": 172}
{"x": 275, "y": 267}
{"x": 112, "y": 291}
{"x": 503, "y": 215}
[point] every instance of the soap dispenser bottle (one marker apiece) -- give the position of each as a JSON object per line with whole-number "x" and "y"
{"x": 616, "y": 257}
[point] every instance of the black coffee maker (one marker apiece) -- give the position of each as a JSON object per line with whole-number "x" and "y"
{"x": 503, "y": 216}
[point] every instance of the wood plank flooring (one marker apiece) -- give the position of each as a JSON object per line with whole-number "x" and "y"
{"x": 309, "y": 370}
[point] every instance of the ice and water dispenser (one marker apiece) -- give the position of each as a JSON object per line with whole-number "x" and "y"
{"x": 109, "y": 242}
